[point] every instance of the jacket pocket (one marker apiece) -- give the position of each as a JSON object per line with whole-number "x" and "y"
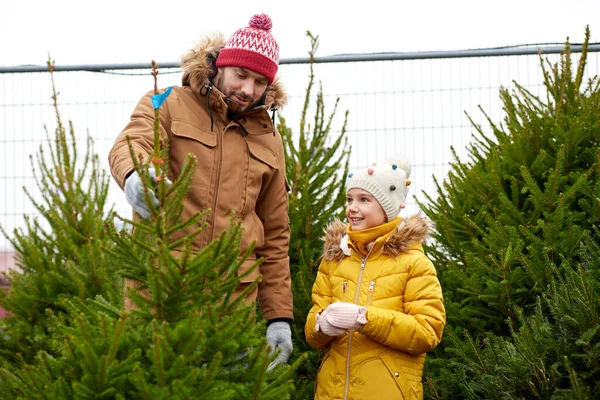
{"x": 262, "y": 164}
{"x": 408, "y": 383}
{"x": 247, "y": 264}
{"x": 329, "y": 384}
{"x": 377, "y": 378}
{"x": 182, "y": 129}
{"x": 263, "y": 155}
{"x": 187, "y": 138}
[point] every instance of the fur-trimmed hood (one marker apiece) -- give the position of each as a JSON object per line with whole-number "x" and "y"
{"x": 198, "y": 65}
{"x": 410, "y": 230}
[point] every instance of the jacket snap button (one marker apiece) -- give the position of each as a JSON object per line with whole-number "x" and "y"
{"x": 396, "y": 374}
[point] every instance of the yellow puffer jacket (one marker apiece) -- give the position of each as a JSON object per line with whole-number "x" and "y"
{"x": 383, "y": 268}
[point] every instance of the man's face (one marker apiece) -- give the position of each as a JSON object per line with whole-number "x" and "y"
{"x": 241, "y": 85}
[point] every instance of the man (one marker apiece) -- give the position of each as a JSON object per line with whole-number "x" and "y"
{"x": 221, "y": 115}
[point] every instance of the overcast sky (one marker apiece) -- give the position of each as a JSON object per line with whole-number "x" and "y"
{"x": 134, "y": 31}
{"x": 130, "y": 31}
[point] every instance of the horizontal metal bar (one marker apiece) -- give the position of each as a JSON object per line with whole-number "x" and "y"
{"x": 391, "y": 56}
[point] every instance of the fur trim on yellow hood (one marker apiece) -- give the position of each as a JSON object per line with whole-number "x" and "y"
{"x": 413, "y": 229}
{"x": 198, "y": 65}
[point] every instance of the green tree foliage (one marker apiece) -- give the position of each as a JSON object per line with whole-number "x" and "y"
{"x": 525, "y": 199}
{"x": 552, "y": 352}
{"x": 509, "y": 225}
{"x": 187, "y": 337}
{"x": 62, "y": 253}
{"x": 316, "y": 167}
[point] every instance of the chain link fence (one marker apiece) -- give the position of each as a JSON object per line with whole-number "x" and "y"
{"x": 414, "y": 104}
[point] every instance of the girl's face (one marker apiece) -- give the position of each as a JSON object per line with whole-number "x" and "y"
{"x": 362, "y": 210}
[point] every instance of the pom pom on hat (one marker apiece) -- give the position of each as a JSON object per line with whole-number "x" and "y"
{"x": 261, "y": 21}
{"x": 387, "y": 182}
{"x": 253, "y": 48}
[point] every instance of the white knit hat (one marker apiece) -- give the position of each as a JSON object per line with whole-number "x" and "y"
{"x": 387, "y": 182}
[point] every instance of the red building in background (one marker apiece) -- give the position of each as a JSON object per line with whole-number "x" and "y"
{"x": 7, "y": 262}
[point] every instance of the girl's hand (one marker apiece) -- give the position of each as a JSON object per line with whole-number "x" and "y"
{"x": 346, "y": 315}
{"x": 326, "y": 327}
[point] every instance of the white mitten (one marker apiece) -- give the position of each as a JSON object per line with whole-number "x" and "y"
{"x": 346, "y": 315}
{"x": 325, "y": 326}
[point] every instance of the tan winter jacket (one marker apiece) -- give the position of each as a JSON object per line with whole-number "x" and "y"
{"x": 405, "y": 311}
{"x": 241, "y": 167}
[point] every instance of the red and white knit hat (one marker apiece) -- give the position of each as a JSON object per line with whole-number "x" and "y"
{"x": 253, "y": 47}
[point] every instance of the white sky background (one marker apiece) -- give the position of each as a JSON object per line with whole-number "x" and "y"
{"x": 133, "y": 31}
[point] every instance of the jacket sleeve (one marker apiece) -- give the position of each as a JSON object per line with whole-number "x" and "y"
{"x": 140, "y": 130}
{"x": 322, "y": 297}
{"x": 274, "y": 289}
{"x": 419, "y": 328}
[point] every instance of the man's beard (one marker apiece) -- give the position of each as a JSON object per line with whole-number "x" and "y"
{"x": 235, "y": 109}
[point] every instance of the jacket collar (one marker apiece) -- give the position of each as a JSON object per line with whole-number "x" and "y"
{"x": 372, "y": 239}
{"x": 413, "y": 229}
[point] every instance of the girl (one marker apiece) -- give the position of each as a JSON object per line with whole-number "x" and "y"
{"x": 377, "y": 302}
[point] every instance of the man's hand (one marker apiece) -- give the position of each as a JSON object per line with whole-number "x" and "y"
{"x": 134, "y": 193}
{"x": 279, "y": 337}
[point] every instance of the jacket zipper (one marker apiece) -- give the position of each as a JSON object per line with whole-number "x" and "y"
{"x": 371, "y": 290}
{"x": 219, "y": 166}
{"x": 351, "y": 334}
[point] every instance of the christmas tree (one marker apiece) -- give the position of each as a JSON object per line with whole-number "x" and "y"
{"x": 509, "y": 226}
{"x": 316, "y": 166}
{"x": 553, "y": 351}
{"x": 186, "y": 337}
{"x": 62, "y": 254}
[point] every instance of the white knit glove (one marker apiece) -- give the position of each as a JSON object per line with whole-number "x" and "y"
{"x": 325, "y": 326}
{"x": 279, "y": 336}
{"x": 134, "y": 193}
{"x": 346, "y": 315}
